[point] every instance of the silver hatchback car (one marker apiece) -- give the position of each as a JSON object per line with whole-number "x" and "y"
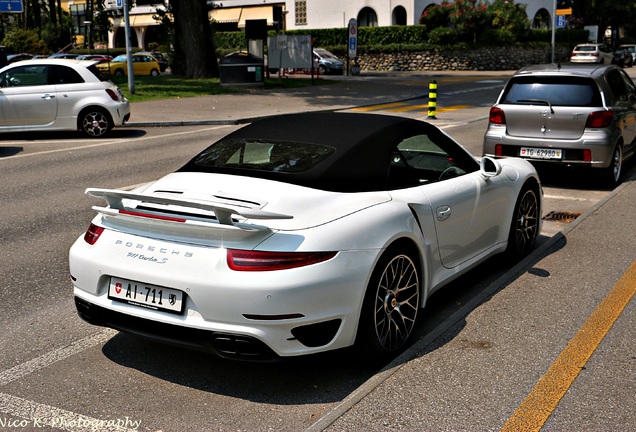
{"x": 576, "y": 115}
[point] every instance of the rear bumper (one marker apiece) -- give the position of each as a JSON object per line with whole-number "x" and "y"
{"x": 223, "y": 345}
{"x": 596, "y": 145}
{"x": 121, "y": 114}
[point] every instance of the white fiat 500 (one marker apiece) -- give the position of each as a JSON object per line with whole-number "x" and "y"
{"x": 60, "y": 94}
{"x": 299, "y": 234}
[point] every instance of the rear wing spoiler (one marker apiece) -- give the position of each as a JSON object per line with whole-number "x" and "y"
{"x": 223, "y": 213}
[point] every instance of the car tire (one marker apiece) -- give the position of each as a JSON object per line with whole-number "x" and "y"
{"x": 612, "y": 174}
{"x": 322, "y": 70}
{"x": 524, "y": 227}
{"x": 154, "y": 72}
{"x": 95, "y": 122}
{"x": 391, "y": 304}
{"x": 119, "y": 72}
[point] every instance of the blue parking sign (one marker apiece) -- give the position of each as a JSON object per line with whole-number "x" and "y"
{"x": 11, "y": 6}
{"x": 560, "y": 21}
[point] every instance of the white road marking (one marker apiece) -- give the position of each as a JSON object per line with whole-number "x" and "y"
{"x": 29, "y": 415}
{"x": 107, "y": 143}
{"x": 570, "y": 198}
{"x": 51, "y": 357}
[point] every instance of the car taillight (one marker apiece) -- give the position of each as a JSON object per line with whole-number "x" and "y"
{"x": 112, "y": 95}
{"x": 498, "y": 150}
{"x": 242, "y": 260}
{"x": 587, "y": 155}
{"x": 92, "y": 234}
{"x": 497, "y": 116}
{"x": 599, "y": 119}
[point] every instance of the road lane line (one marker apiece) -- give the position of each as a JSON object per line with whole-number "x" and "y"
{"x": 109, "y": 143}
{"x": 54, "y": 356}
{"x": 569, "y": 198}
{"x": 28, "y": 415}
{"x": 534, "y": 411}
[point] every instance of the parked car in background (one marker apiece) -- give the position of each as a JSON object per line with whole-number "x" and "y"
{"x": 63, "y": 56}
{"x": 622, "y": 58}
{"x": 327, "y": 63}
{"x": 591, "y": 53}
{"x": 12, "y": 58}
{"x": 161, "y": 58}
{"x": 143, "y": 64}
{"x": 631, "y": 50}
{"x": 99, "y": 58}
{"x": 571, "y": 115}
{"x": 58, "y": 94}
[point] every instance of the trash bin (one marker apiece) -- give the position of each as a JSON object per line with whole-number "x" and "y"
{"x": 241, "y": 68}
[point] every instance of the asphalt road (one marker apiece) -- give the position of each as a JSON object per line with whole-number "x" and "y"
{"x": 58, "y": 373}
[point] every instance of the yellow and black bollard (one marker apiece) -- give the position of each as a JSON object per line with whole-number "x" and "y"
{"x": 432, "y": 100}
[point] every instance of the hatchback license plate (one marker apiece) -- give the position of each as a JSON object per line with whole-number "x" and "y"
{"x": 146, "y": 296}
{"x": 540, "y": 153}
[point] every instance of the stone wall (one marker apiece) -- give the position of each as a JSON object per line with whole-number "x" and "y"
{"x": 494, "y": 58}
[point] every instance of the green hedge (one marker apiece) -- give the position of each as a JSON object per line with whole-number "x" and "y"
{"x": 410, "y": 38}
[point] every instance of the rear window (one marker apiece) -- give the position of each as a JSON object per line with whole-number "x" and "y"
{"x": 557, "y": 91}
{"x": 585, "y": 48}
{"x": 263, "y": 155}
{"x": 99, "y": 74}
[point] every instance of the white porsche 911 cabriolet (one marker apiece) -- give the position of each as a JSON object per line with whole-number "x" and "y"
{"x": 299, "y": 234}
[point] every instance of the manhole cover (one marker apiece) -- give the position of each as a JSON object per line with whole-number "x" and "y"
{"x": 557, "y": 216}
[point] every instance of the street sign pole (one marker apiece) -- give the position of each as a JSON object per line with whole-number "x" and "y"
{"x": 131, "y": 77}
{"x": 554, "y": 8}
{"x": 352, "y": 52}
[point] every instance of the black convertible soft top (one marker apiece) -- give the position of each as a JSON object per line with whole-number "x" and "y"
{"x": 362, "y": 147}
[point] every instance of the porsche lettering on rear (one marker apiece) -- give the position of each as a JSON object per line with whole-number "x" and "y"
{"x": 150, "y": 248}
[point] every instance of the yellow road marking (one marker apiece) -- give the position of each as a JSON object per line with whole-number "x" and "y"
{"x": 408, "y": 108}
{"x": 546, "y": 394}
{"x": 380, "y": 107}
{"x": 402, "y": 107}
{"x": 452, "y": 108}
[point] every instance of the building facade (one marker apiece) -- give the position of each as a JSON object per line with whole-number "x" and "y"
{"x": 302, "y": 14}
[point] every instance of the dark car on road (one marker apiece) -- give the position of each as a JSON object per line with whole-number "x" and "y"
{"x": 327, "y": 63}
{"x": 570, "y": 115}
{"x": 623, "y": 58}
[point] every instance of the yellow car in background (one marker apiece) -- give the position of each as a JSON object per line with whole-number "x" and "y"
{"x": 143, "y": 64}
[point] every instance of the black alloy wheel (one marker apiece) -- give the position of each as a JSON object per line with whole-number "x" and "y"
{"x": 524, "y": 227}
{"x": 391, "y": 304}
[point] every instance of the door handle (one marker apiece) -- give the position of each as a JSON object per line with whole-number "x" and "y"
{"x": 48, "y": 96}
{"x": 443, "y": 212}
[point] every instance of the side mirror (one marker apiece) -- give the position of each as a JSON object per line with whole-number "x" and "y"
{"x": 489, "y": 167}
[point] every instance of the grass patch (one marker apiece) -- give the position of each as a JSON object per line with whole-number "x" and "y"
{"x": 149, "y": 88}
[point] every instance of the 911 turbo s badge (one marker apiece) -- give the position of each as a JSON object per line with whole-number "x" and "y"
{"x": 150, "y": 253}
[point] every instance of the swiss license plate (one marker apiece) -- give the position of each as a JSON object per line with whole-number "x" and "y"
{"x": 541, "y": 153}
{"x": 146, "y": 296}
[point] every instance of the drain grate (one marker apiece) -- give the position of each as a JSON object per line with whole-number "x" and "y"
{"x": 561, "y": 216}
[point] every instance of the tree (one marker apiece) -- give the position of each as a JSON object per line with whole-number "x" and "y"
{"x": 508, "y": 15}
{"x": 23, "y": 40}
{"x": 194, "y": 52}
